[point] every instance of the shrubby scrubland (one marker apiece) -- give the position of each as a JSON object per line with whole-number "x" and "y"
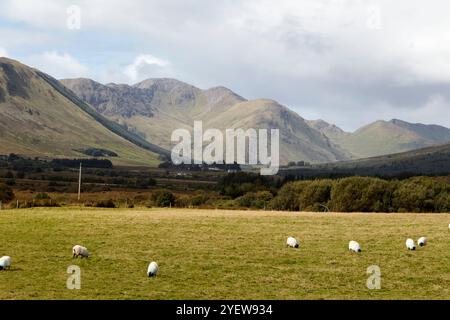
{"x": 246, "y": 190}
{"x": 352, "y": 194}
{"x": 364, "y": 194}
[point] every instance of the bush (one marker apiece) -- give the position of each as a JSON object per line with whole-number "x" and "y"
{"x": 6, "y": 193}
{"x": 105, "y": 204}
{"x": 288, "y": 197}
{"x": 361, "y": 194}
{"x": 36, "y": 203}
{"x": 237, "y": 184}
{"x": 257, "y": 200}
{"x": 201, "y": 199}
{"x": 42, "y": 196}
{"x": 129, "y": 204}
{"x": 442, "y": 202}
{"x": 315, "y": 195}
{"x": 422, "y": 194}
{"x": 183, "y": 202}
{"x": 163, "y": 198}
{"x": 227, "y": 204}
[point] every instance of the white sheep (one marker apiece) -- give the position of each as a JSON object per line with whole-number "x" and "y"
{"x": 354, "y": 246}
{"x": 410, "y": 244}
{"x": 152, "y": 269}
{"x": 292, "y": 242}
{"x": 422, "y": 241}
{"x": 5, "y": 262}
{"x": 80, "y": 251}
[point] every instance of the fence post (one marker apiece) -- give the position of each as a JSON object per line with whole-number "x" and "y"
{"x": 17, "y": 205}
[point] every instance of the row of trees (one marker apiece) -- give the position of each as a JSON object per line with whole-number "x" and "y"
{"x": 363, "y": 194}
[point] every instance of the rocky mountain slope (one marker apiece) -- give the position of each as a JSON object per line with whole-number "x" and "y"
{"x": 40, "y": 117}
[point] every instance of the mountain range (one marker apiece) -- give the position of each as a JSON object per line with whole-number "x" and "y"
{"x": 155, "y": 107}
{"x": 384, "y": 137}
{"x": 41, "y": 116}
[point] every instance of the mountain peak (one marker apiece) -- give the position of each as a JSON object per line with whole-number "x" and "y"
{"x": 85, "y": 82}
{"x": 165, "y": 84}
{"x": 222, "y": 97}
{"x": 399, "y": 122}
{"x": 326, "y": 128}
{"x": 8, "y": 60}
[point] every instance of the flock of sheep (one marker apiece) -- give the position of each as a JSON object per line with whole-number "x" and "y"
{"x": 152, "y": 270}
{"x": 82, "y": 252}
{"x": 355, "y": 247}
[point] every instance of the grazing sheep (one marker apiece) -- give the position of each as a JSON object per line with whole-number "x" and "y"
{"x": 80, "y": 251}
{"x": 354, "y": 246}
{"x": 5, "y": 262}
{"x": 292, "y": 242}
{"x": 410, "y": 244}
{"x": 422, "y": 241}
{"x": 152, "y": 269}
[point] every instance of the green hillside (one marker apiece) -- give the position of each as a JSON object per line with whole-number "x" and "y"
{"x": 384, "y": 137}
{"x": 39, "y": 119}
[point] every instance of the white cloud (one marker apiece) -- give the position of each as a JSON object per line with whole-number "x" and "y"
{"x": 3, "y": 52}
{"x": 437, "y": 107}
{"x": 146, "y": 66}
{"x": 46, "y": 13}
{"x": 59, "y": 65}
{"x": 349, "y": 61}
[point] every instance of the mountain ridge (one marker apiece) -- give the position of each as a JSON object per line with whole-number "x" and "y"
{"x": 383, "y": 137}
{"x": 38, "y": 118}
{"x": 146, "y": 113}
{"x": 175, "y": 104}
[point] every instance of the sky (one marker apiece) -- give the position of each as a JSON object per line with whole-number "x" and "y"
{"x": 349, "y": 62}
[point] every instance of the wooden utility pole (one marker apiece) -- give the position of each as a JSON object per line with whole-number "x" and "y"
{"x": 79, "y": 184}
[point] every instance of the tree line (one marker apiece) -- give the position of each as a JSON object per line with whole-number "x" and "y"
{"x": 351, "y": 194}
{"x": 365, "y": 194}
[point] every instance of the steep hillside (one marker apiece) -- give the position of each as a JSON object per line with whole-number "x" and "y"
{"x": 40, "y": 117}
{"x": 297, "y": 139}
{"x": 386, "y": 137}
{"x": 333, "y": 132}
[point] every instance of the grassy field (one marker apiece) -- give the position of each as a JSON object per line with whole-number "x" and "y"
{"x": 213, "y": 254}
